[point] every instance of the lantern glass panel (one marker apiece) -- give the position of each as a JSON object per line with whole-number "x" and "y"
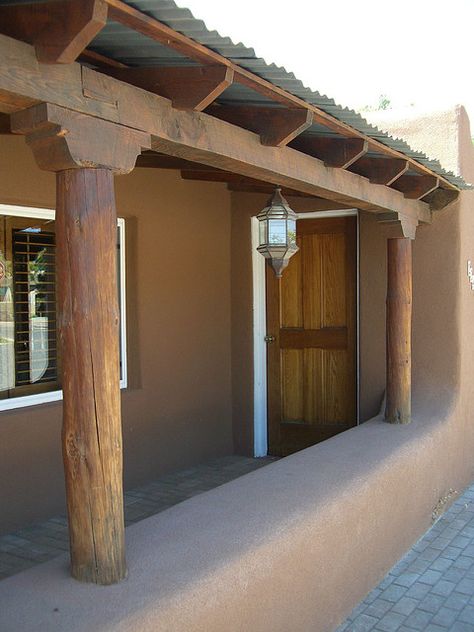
{"x": 291, "y": 232}
{"x": 277, "y": 231}
{"x": 263, "y": 231}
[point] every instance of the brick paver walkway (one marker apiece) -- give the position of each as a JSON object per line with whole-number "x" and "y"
{"x": 432, "y": 587}
{"x": 46, "y": 540}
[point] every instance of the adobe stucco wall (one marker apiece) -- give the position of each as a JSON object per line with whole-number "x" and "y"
{"x": 295, "y": 545}
{"x": 177, "y": 410}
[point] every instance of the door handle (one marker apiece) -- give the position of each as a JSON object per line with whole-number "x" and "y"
{"x": 269, "y": 339}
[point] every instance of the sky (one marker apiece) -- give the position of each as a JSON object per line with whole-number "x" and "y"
{"x": 415, "y": 52}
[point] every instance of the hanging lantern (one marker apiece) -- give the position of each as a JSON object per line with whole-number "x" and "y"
{"x": 277, "y": 232}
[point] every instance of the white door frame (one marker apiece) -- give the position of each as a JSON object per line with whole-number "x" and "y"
{"x": 260, "y": 330}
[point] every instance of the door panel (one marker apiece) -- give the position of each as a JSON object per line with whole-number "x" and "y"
{"x": 311, "y": 313}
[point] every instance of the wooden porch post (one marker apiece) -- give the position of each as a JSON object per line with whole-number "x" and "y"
{"x": 86, "y": 229}
{"x": 399, "y": 315}
{"x": 85, "y": 153}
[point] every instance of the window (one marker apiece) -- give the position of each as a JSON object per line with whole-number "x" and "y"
{"x": 29, "y": 358}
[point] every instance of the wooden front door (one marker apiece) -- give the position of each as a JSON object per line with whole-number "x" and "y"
{"x": 311, "y": 314}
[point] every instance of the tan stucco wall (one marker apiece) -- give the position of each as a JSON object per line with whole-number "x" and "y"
{"x": 177, "y": 409}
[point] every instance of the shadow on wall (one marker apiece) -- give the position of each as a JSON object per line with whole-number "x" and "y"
{"x": 436, "y": 314}
{"x": 435, "y": 335}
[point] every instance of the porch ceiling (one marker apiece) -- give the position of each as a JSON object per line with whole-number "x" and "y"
{"x": 162, "y": 48}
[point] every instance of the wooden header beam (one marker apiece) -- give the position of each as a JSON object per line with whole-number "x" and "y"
{"x": 194, "y": 136}
{"x": 316, "y": 204}
{"x": 152, "y": 160}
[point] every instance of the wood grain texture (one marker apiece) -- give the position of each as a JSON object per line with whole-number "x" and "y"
{"x": 188, "y": 87}
{"x": 275, "y": 126}
{"x": 416, "y": 187}
{"x": 60, "y": 31}
{"x": 127, "y": 15}
{"x": 380, "y": 171}
{"x": 86, "y": 226}
{"x": 312, "y": 314}
{"x": 193, "y": 136}
{"x": 334, "y": 152}
{"x": 63, "y": 139}
{"x": 399, "y": 318}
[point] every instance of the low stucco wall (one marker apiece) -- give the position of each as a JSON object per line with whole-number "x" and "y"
{"x": 177, "y": 407}
{"x": 292, "y": 546}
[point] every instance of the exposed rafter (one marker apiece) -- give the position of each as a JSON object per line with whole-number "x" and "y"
{"x": 134, "y": 19}
{"x": 5, "y": 124}
{"x": 276, "y": 126}
{"x": 188, "y": 87}
{"x": 440, "y": 198}
{"x": 193, "y": 136}
{"x": 380, "y": 170}
{"x": 334, "y": 152}
{"x": 416, "y": 187}
{"x": 59, "y": 30}
{"x": 100, "y": 61}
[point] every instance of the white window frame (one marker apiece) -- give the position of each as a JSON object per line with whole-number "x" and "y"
{"x": 54, "y": 396}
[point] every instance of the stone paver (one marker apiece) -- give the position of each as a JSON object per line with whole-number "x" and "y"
{"x": 431, "y": 589}
{"x": 46, "y": 540}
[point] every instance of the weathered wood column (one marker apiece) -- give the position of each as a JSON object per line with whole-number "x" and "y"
{"x": 399, "y": 316}
{"x": 85, "y": 153}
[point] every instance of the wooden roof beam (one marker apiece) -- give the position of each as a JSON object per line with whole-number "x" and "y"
{"x": 416, "y": 187}
{"x": 5, "y": 124}
{"x": 153, "y": 160}
{"x": 187, "y": 87}
{"x": 440, "y": 198}
{"x": 146, "y": 25}
{"x": 242, "y": 184}
{"x": 275, "y": 126}
{"x": 99, "y": 61}
{"x": 220, "y": 176}
{"x": 316, "y": 203}
{"x": 193, "y": 136}
{"x": 380, "y": 170}
{"x": 334, "y": 152}
{"x": 59, "y": 30}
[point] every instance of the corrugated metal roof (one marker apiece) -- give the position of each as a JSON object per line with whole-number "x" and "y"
{"x": 121, "y": 43}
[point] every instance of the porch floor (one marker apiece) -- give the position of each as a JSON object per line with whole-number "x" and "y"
{"x": 45, "y": 540}
{"x": 431, "y": 589}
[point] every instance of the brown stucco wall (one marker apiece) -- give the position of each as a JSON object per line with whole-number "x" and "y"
{"x": 295, "y": 545}
{"x": 177, "y": 409}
